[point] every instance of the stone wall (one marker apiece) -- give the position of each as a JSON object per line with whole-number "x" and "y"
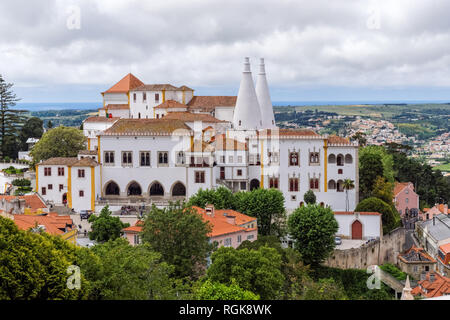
{"x": 376, "y": 252}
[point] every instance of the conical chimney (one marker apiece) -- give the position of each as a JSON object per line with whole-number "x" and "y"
{"x": 247, "y": 113}
{"x": 263, "y": 95}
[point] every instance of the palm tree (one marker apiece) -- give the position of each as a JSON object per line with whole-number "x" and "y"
{"x": 348, "y": 184}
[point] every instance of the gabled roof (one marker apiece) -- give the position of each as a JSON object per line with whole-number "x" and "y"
{"x": 415, "y": 254}
{"x": 222, "y": 143}
{"x": 191, "y": 117}
{"x": 399, "y": 186}
{"x": 438, "y": 287}
{"x": 101, "y": 119}
{"x": 209, "y": 103}
{"x": 126, "y": 84}
{"x": 168, "y": 104}
{"x": 333, "y": 139}
{"x": 156, "y": 87}
{"x": 54, "y": 224}
{"x": 147, "y": 127}
{"x": 69, "y": 161}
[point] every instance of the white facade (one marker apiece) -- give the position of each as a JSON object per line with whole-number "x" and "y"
{"x": 370, "y": 223}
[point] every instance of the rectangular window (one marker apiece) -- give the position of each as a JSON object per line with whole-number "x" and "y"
{"x": 81, "y": 193}
{"x": 243, "y": 185}
{"x": 230, "y": 159}
{"x": 163, "y": 158}
{"x": 44, "y": 191}
{"x": 50, "y": 187}
{"x": 239, "y": 159}
{"x": 314, "y": 158}
{"x": 109, "y": 157}
{"x": 144, "y": 97}
{"x": 222, "y": 159}
{"x": 293, "y": 158}
{"x": 61, "y": 187}
{"x": 47, "y": 171}
{"x": 250, "y": 237}
{"x": 239, "y": 172}
{"x": 134, "y": 97}
{"x": 81, "y": 173}
{"x": 61, "y": 171}
{"x": 137, "y": 239}
{"x": 199, "y": 176}
{"x": 314, "y": 184}
{"x": 293, "y": 184}
{"x": 227, "y": 242}
{"x": 156, "y": 97}
{"x": 127, "y": 158}
{"x": 239, "y": 239}
{"x": 273, "y": 183}
{"x": 145, "y": 158}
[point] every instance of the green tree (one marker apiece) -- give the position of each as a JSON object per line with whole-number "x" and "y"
{"x": 219, "y": 291}
{"x": 105, "y": 226}
{"x": 360, "y": 137}
{"x": 181, "y": 235}
{"x": 313, "y": 229}
{"x": 11, "y": 121}
{"x": 33, "y": 128}
{"x": 221, "y": 198}
{"x": 34, "y": 266}
{"x": 370, "y": 167}
{"x": 348, "y": 185}
{"x": 59, "y": 142}
{"x": 383, "y": 190}
{"x": 388, "y": 217}
{"x": 257, "y": 271}
{"x": 49, "y": 124}
{"x": 324, "y": 289}
{"x": 309, "y": 197}
{"x": 118, "y": 271}
{"x": 267, "y": 205}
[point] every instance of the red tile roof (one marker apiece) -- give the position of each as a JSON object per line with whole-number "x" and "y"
{"x": 33, "y": 201}
{"x": 399, "y": 186}
{"x": 115, "y": 107}
{"x": 69, "y": 161}
{"x": 54, "y": 224}
{"x": 221, "y": 142}
{"x": 147, "y": 127}
{"x": 439, "y": 287}
{"x": 126, "y": 84}
{"x": 209, "y": 103}
{"x": 191, "y": 117}
{"x": 171, "y": 104}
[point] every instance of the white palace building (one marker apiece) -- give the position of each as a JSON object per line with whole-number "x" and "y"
{"x": 153, "y": 143}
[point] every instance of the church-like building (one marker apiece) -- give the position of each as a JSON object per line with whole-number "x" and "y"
{"x": 153, "y": 143}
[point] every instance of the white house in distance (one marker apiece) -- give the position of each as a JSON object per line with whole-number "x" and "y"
{"x": 160, "y": 142}
{"x": 359, "y": 225}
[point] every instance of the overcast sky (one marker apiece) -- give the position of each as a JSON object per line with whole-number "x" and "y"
{"x": 314, "y": 50}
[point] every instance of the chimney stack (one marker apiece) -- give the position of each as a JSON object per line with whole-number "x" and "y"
{"x": 231, "y": 219}
{"x": 263, "y": 95}
{"x": 209, "y": 209}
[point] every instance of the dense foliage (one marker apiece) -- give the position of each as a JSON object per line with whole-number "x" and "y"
{"x": 105, "y": 226}
{"x": 219, "y": 291}
{"x": 59, "y": 142}
{"x": 181, "y": 235}
{"x": 309, "y": 197}
{"x": 33, "y": 128}
{"x": 313, "y": 228}
{"x": 389, "y": 217}
{"x": 267, "y": 205}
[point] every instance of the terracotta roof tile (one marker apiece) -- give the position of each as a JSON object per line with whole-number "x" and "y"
{"x": 54, "y": 224}
{"x": 399, "y": 186}
{"x": 191, "y": 117}
{"x": 71, "y": 162}
{"x": 209, "y": 103}
{"x": 156, "y": 87}
{"x": 361, "y": 213}
{"x": 169, "y": 104}
{"x": 88, "y": 152}
{"x": 338, "y": 140}
{"x": 115, "y": 107}
{"x": 147, "y": 127}
{"x": 33, "y": 201}
{"x": 221, "y": 142}
{"x": 101, "y": 119}
{"x": 126, "y": 84}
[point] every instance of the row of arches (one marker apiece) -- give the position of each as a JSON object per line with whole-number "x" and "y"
{"x": 336, "y": 185}
{"x": 340, "y": 159}
{"x": 133, "y": 188}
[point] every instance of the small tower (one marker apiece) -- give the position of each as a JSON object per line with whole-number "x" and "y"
{"x": 247, "y": 114}
{"x": 406, "y": 294}
{"x": 263, "y": 95}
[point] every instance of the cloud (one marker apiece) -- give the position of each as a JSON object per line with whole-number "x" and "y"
{"x": 202, "y": 43}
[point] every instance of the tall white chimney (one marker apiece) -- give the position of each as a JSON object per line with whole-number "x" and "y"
{"x": 263, "y": 95}
{"x": 247, "y": 113}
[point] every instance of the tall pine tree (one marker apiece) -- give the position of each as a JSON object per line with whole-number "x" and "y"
{"x": 11, "y": 121}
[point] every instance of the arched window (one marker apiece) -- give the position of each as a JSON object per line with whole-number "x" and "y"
{"x": 112, "y": 189}
{"x": 332, "y": 184}
{"x": 348, "y": 158}
{"x": 134, "y": 189}
{"x": 340, "y": 186}
{"x": 156, "y": 189}
{"x": 322, "y": 204}
{"x": 340, "y": 160}
{"x": 332, "y": 158}
{"x": 254, "y": 184}
{"x": 179, "y": 190}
